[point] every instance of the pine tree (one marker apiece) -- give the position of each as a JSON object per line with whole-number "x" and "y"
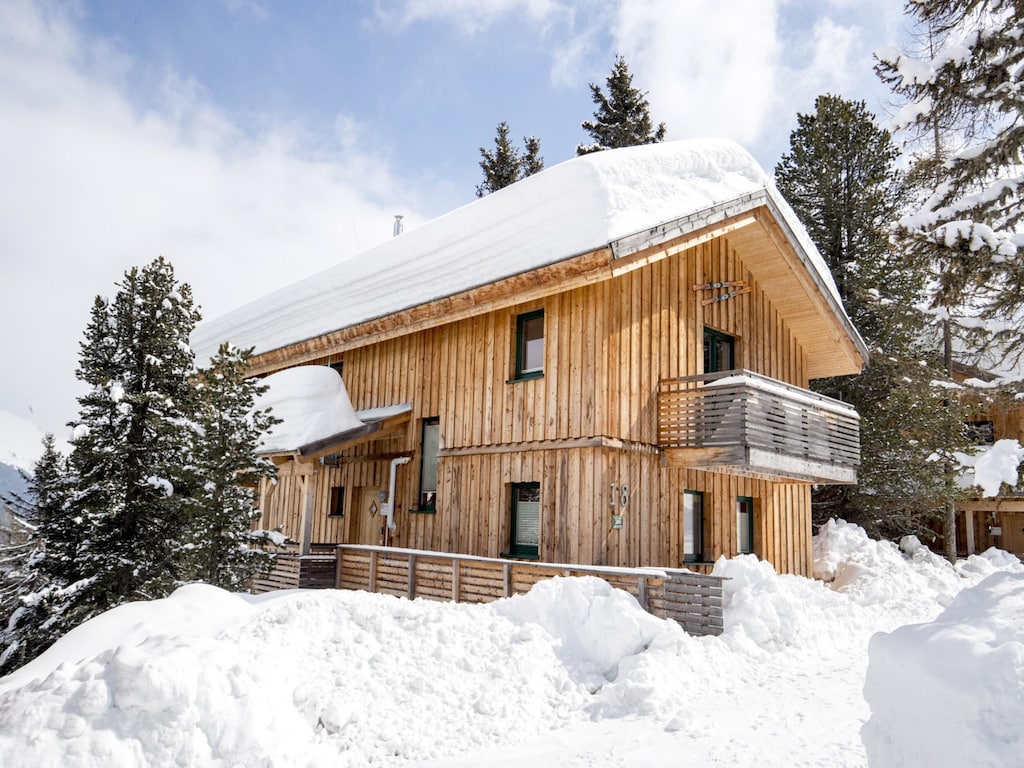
{"x": 964, "y": 138}
{"x": 35, "y": 573}
{"x": 131, "y": 443}
{"x": 228, "y": 434}
{"x": 623, "y": 117}
{"x": 964, "y": 105}
{"x": 507, "y": 165}
{"x": 840, "y": 176}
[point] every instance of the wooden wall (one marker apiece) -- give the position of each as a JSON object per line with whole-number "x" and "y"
{"x": 590, "y": 421}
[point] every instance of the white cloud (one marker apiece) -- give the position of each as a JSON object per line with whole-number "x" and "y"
{"x": 92, "y": 186}
{"x": 709, "y": 67}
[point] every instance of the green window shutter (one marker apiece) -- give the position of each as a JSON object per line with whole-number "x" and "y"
{"x": 525, "y": 524}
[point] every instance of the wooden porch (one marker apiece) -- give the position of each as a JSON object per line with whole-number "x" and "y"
{"x": 745, "y": 423}
{"x": 692, "y": 599}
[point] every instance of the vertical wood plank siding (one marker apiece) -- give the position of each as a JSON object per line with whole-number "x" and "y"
{"x": 590, "y": 421}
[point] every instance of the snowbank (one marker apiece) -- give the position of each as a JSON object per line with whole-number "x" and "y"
{"x": 951, "y": 692}
{"x": 573, "y": 673}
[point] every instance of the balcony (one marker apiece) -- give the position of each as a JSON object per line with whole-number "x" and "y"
{"x": 740, "y": 422}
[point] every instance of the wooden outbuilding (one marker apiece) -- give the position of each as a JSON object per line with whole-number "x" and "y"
{"x": 606, "y": 363}
{"x": 991, "y": 521}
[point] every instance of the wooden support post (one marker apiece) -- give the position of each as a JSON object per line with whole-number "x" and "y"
{"x": 507, "y": 578}
{"x": 456, "y": 577}
{"x": 969, "y": 523}
{"x": 411, "y": 587}
{"x": 372, "y": 586}
{"x": 642, "y": 591}
{"x": 337, "y": 567}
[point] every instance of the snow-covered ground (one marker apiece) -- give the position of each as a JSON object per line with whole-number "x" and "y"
{"x": 573, "y": 674}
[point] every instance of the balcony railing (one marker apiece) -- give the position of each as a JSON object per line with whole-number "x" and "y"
{"x": 745, "y": 423}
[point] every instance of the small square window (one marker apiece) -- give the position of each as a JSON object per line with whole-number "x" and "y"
{"x": 530, "y": 345}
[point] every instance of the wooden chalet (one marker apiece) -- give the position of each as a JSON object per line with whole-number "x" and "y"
{"x": 604, "y": 364}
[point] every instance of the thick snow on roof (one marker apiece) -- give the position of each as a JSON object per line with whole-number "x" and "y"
{"x": 311, "y": 402}
{"x": 566, "y": 210}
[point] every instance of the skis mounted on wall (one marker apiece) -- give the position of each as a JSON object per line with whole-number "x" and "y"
{"x": 724, "y": 296}
{"x": 722, "y": 284}
{"x": 740, "y": 286}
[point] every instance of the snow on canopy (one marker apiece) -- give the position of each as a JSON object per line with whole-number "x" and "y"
{"x": 569, "y": 209}
{"x": 312, "y": 403}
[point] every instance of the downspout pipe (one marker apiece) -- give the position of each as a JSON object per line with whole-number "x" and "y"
{"x": 388, "y": 508}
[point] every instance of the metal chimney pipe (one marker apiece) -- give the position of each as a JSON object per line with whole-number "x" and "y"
{"x": 398, "y": 225}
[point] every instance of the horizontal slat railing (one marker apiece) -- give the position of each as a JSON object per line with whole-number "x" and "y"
{"x": 750, "y": 411}
{"x": 692, "y": 599}
{"x": 294, "y": 571}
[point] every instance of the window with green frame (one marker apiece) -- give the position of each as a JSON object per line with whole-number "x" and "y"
{"x": 429, "y": 444}
{"x": 744, "y": 525}
{"x": 719, "y": 351}
{"x": 693, "y": 527}
{"x": 530, "y": 345}
{"x": 524, "y": 538}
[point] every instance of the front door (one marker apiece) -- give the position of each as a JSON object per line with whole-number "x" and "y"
{"x": 1013, "y": 533}
{"x": 366, "y": 525}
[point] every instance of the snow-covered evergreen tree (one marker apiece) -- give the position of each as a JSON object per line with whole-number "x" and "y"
{"x": 227, "y": 436}
{"x": 506, "y": 164}
{"x": 38, "y": 571}
{"x": 622, "y": 117}
{"x": 131, "y": 443}
{"x": 840, "y": 176}
{"x": 963, "y": 114}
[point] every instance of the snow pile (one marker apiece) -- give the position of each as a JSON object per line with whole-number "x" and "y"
{"x": 876, "y": 573}
{"x": 569, "y": 209}
{"x": 574, "y": 673}
{"x": 951, "y": 692}
{"x": 312, "y": 403}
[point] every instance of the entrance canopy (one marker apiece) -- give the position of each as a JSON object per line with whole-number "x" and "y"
{"x": 317, "y": 417}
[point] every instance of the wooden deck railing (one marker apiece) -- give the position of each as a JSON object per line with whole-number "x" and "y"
{"x": 752, "y": 424}
{"x": 693, "y": 600}
{"x": 294, "y": 571}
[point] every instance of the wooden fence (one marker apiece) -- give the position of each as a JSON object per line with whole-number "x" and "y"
{"x": 294, "y": 571}
{"x": 693, "y": 600}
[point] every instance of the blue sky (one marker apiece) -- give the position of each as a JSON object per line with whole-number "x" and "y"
{"x": 253, "y": 142}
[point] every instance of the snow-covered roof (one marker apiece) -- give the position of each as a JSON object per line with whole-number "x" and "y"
{"x": 313, "y": 406}
{"x": 572, "y": 208}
